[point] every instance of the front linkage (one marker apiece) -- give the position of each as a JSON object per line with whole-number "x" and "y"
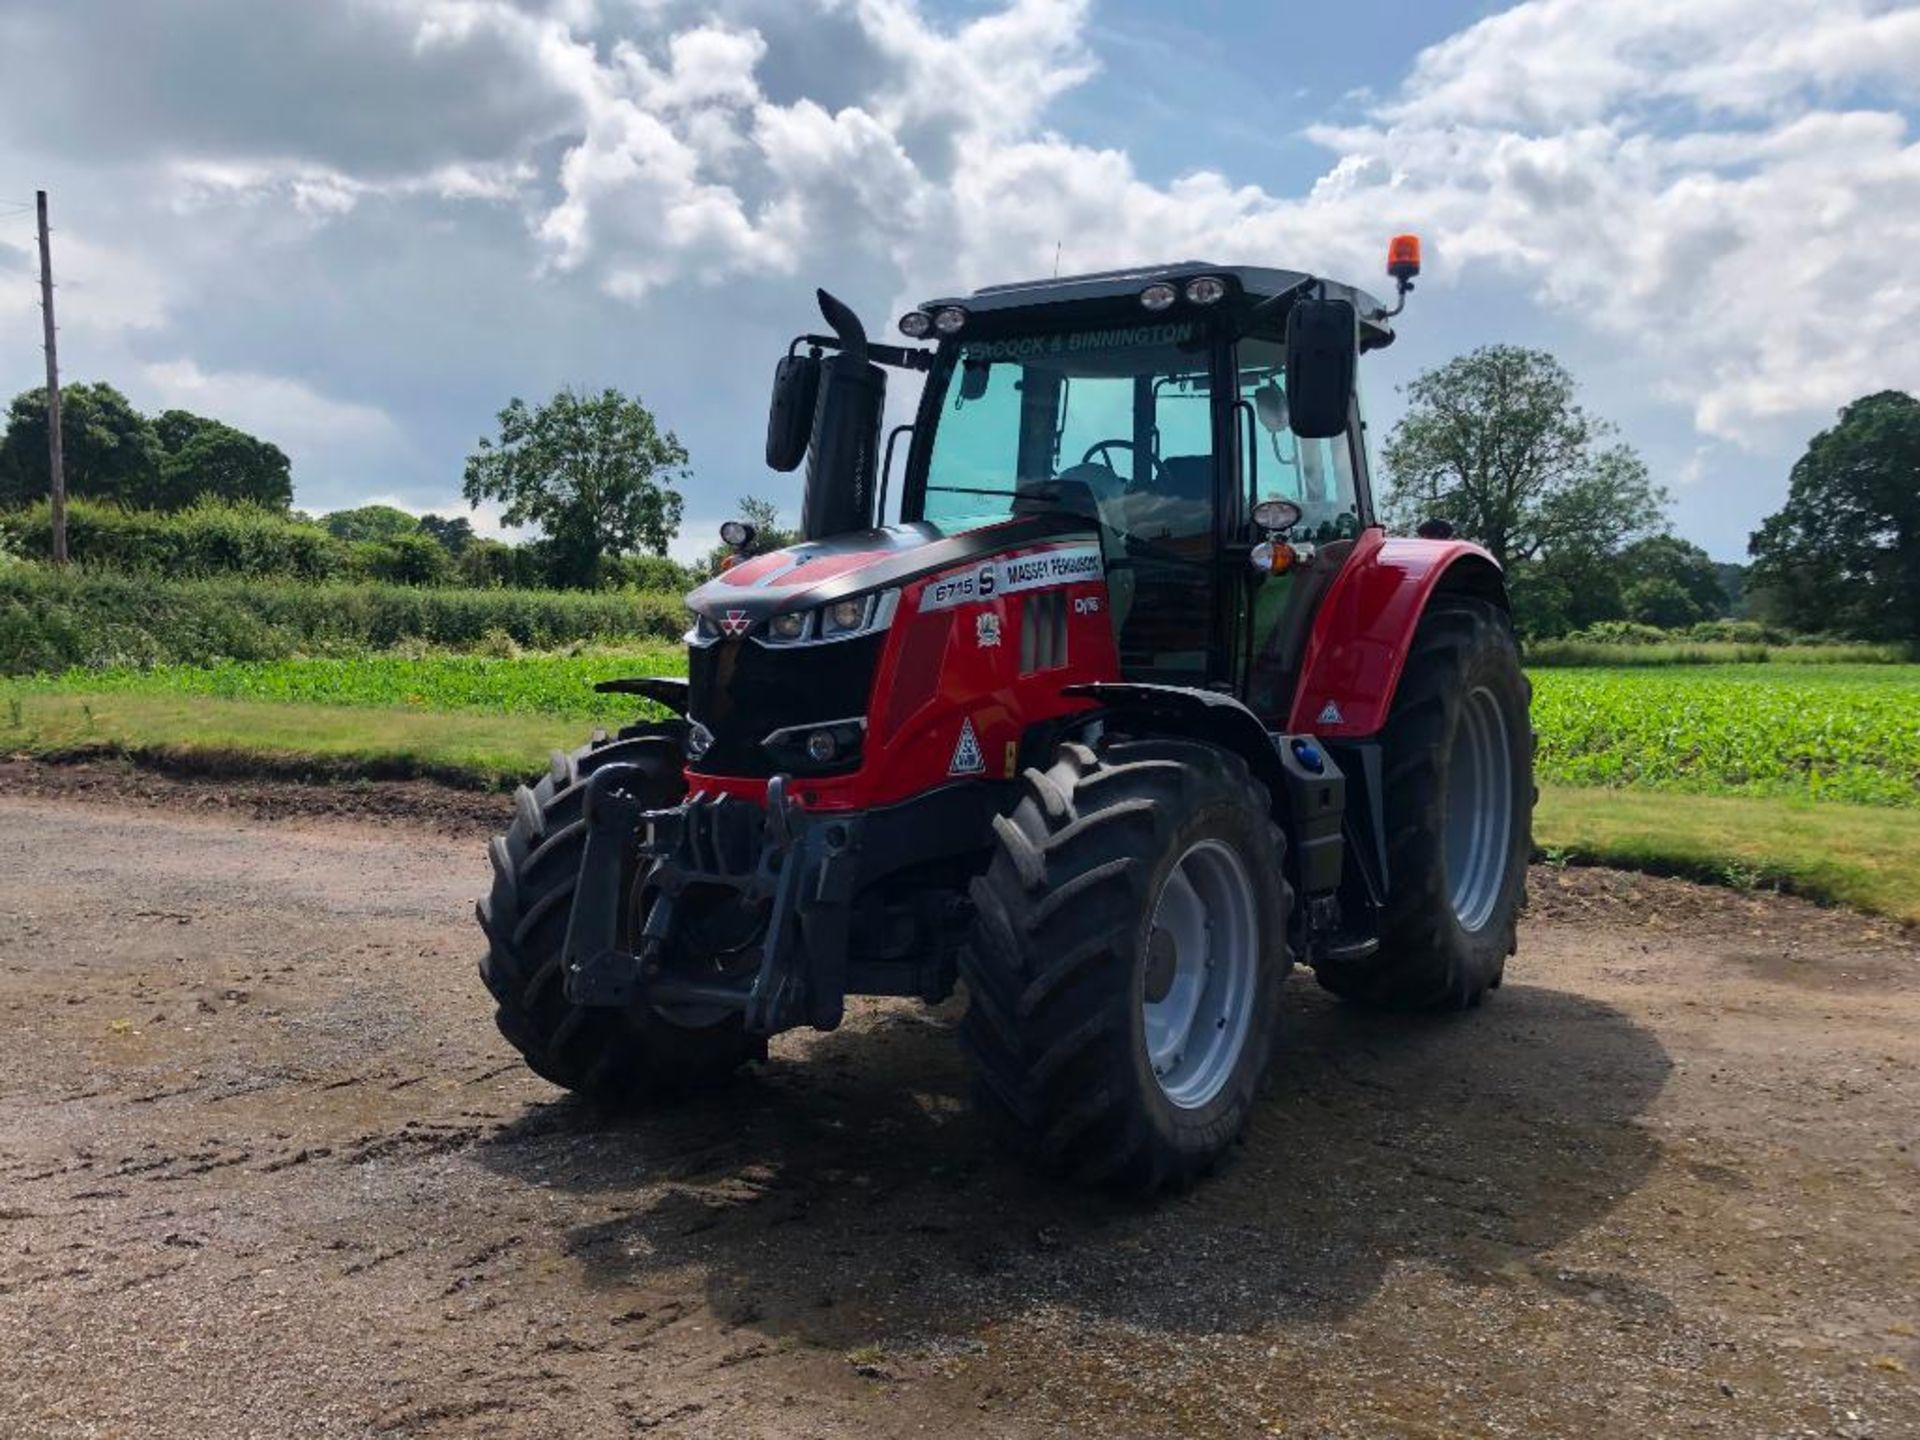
{"x": 803, "y": 869}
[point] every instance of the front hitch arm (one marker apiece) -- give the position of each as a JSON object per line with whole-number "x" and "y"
{"x": 597, "y": 970}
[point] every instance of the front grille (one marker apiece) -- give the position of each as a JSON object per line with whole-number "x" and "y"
{"x": 742, "y": 691}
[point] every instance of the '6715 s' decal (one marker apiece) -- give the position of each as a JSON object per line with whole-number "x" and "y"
{"x": 1041, "y": 570}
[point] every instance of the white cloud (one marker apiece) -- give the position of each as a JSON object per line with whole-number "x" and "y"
{"x": 1726, "y": 191}
{"x": 1687, "y": 179}
{"x": 297, "y": 418}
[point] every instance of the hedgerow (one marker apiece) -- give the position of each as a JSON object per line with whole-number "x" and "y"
{"x": 52, "y": 620}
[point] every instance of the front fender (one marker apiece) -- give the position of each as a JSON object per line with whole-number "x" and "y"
{"x": 1365, "y": 625}
{"x": 1199, "y": 714}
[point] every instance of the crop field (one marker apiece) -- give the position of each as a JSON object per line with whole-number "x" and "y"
{"x": 1825, "y": 732}
{"x": 557, "y": 685}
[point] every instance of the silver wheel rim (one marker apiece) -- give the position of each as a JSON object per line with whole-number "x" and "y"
{"x": 1197, "y": 1028}
{"x": 1479, "y": 818}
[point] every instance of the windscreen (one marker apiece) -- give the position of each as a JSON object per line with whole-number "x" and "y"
{"x": 1122, "y": 410}
{"x": 1111, "y": 425}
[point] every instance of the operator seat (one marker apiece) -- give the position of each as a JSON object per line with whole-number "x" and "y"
{"x": 1073, "y": 493}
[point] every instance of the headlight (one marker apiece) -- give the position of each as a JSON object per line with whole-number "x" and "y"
{"x": 836, "y": 620}
{"x": 845, "y": 615}
{"x": 792, "y": 626}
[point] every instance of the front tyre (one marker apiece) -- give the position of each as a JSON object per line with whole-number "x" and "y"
{"x": 1126, "y": 959}
{"x": 1458, "y": 765}
{"x": 613, "y": 1056}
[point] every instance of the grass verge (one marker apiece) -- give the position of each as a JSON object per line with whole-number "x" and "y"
{"x": 1864, "y": 857}
{"x": 319, "y": 742}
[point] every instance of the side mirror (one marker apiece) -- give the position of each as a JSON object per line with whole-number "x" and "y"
{"x": 796, "y": 390}
{"x": 1323, "y": 352}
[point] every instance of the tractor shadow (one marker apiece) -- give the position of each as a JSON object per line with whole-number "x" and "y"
{"x": 848, "y": 1191}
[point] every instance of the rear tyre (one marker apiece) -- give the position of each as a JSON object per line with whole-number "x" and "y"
{"x": 1458, "y": 802}
{"x": 1125, "y": 962}
{"x": 613, "y": 1056}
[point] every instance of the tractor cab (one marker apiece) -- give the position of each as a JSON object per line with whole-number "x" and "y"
{"x": 1154, "y": 404}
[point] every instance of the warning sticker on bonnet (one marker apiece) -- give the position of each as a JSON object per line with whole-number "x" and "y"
{"x": 1068, "y": 565}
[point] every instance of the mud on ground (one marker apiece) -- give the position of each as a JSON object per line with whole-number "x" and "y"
{"x": 266, "y": 1170}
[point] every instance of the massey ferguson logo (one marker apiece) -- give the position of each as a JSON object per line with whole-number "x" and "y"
{"x": 735, "y": 622}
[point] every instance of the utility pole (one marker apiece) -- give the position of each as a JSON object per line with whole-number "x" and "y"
{"x": 57, "y": 470}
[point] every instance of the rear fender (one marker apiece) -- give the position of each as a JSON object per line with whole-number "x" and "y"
{"x": 1365, "y": 625}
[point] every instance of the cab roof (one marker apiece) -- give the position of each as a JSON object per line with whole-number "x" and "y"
{"x": 1247, "y": 285}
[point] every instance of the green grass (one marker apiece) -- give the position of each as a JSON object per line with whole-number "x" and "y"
{"x": 554, "y": 685}
{"x": 1826, "y": 732}
{"x": 326, "y": 741}
{"x": 1856, "y": 855}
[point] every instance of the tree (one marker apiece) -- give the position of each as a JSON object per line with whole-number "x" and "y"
{"x": 110, "y": 450}
{"x": 594, "y": 472}
{"x": 412, "y": 559}
{"x": 1669, "y": 561}
{"x": 1495, "y": 442}
{"x": 454, "y": 533}
{"x": 208, "y": 459}
{"x": 1660, "y": 600}
{"x": 1843, "y": 554}
{"x": 370, "y": 522}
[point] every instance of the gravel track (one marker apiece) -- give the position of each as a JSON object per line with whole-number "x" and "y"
{"x": 267, "y": 1170}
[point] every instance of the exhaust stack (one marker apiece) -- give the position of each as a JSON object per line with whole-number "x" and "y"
{"x": 843, "y": 464}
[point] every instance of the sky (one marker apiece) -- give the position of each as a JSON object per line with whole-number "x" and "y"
{"x": 358, "y": 228}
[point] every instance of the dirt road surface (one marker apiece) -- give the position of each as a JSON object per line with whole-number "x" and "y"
{"x": 266, "y": 1170}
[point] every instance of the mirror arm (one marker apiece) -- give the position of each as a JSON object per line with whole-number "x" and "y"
{"x": 886, "y": 473}
{"x": 898, "y": 356}
{"x": 1245, "y": 407}
{"x": 1272, "y": 306}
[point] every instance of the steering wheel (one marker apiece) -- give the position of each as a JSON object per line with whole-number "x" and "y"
{"x": 1100, "y": 447}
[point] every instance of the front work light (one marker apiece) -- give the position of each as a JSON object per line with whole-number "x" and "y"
{"x": 949, "y": 320}
{"x": 915, "y": 324}
{"x": 1207, "y": 290}
{"x": 737, "y": 533}
{"x": 1158, "y": 296}
{"x": 821, "y": 746}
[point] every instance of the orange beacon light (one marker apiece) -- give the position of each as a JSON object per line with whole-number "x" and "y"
{"x": 1403, "y": 263}
{"x": 1403, "y": 257}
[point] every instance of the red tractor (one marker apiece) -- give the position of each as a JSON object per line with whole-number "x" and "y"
{"x": 1135, "y": 707}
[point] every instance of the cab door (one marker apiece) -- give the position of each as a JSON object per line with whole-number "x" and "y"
{"x": 1327, "y": 480}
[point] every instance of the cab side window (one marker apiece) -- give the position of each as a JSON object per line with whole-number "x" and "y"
{"x": 1317, "y": 475}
